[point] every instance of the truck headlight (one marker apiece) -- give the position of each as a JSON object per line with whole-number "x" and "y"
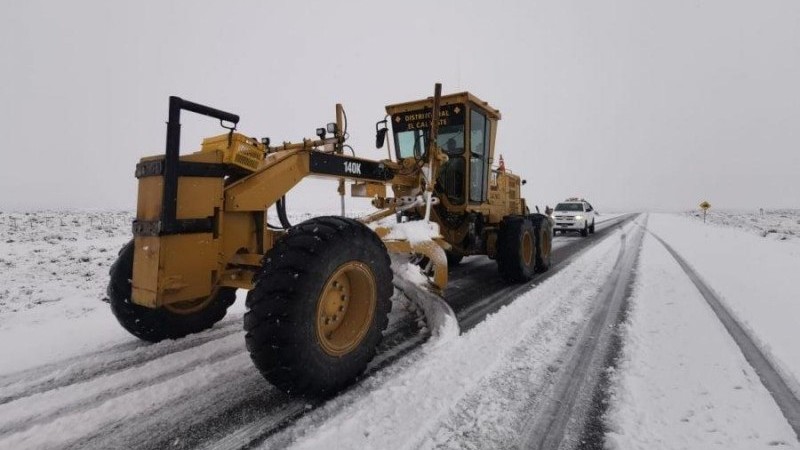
{"x": 578, "y": 217}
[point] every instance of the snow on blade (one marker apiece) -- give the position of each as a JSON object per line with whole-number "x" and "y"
{"x": 415, "y": 231}
{"x": 440, "y": 318}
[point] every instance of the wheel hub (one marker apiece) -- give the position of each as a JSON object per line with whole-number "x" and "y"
{"x": 527, "y": 248}
{"x": 346, "y": 308}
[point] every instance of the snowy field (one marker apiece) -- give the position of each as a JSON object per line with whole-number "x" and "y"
{"x": 776, "y": 224}
{"x": 681, "y": 381}
{"x": 53, "y": 276}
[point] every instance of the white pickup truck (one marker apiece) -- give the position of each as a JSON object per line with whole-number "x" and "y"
{"x": 574, "y": 214}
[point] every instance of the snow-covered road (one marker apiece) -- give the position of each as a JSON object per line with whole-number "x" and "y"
{"x": 526, "y": 371}
{"x": 198, "y": 390}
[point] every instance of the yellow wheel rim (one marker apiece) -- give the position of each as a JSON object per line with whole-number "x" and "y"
{"x": 345, "y": 308}
{"x": 527, "y": 248}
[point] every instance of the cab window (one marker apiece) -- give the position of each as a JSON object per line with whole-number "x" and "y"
{"x": 414, "y": 143}
{"x": 412, "y": 131}
{"x": 411, "y": 144}
{"x": 479, "y": 143}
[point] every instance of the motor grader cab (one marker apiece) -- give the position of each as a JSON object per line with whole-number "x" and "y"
{"x": 473, "y": 197}
{"x": 319, "y": 291}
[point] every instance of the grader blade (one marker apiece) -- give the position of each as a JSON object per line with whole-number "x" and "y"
{"x": 439, "y": 316}
{"x": 429, "y": 257}
{"x": 424, "y": 246}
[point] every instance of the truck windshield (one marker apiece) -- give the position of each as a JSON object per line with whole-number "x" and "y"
{"x": 411, "y": 131}
{"x": 569, "y": 207}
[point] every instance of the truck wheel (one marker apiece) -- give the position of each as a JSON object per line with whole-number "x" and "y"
{"x": 516, "y": 249}
{"x": 544, "y": 241}
{"x": 319, "y": 305}
{"x": 585, "y": 230}
{"x": 591, "y": 228}
{"x": 168, "y": 322}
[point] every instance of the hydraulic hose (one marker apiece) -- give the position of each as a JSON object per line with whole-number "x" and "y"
{"x": 280, "y": 205}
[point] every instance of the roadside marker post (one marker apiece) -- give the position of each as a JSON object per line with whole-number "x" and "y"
{"x": 704, "y": 206}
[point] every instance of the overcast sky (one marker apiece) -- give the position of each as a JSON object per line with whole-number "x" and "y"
{"x": 633, "y": 104}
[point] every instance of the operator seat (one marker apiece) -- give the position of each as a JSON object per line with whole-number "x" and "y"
{"x": 452, "y": 174}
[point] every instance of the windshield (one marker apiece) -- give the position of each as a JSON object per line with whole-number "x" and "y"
{"x": 569, "y": 207}
{"x": 411, "y": 131}
{"x": 413, "y": 143}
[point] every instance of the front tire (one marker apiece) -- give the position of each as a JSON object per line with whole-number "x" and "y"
{"x": 161, "y": 323}
{"x": 585, "y": 230}
{"x": 516, "y": 249}
{"x": 591, "y": 228}
{"x": 319, "y": 305}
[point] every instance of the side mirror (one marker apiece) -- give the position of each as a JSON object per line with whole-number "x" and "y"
{"x": 380, "y": 133}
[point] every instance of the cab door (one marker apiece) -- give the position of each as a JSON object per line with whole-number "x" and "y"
{"x": 479, "y": 130}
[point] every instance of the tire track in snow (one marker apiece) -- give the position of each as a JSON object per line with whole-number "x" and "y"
{"x": 235, "y": 415}
{"x": 111, "y": 360}
{"x": 253, "y": 433}
{"x": 90, "y": 395}
{"x": 80, "y": 394}
{"x": 119, "y": 415}
{"x": 772, "y": 378}
{"x": 563, "y": 417}
{"x": 504, "y": 294}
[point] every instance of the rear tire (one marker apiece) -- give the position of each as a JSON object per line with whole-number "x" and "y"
{"x": 158, "y": 324}
{"x": 516, "y": 249}
{"x": 305, "y": 333}
{"x": 544, "y": 242}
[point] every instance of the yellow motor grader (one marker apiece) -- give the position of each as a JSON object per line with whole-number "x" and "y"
{"x": 319, "y": 291}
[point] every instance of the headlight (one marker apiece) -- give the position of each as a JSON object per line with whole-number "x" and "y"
{"x": 578, "y": 217}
